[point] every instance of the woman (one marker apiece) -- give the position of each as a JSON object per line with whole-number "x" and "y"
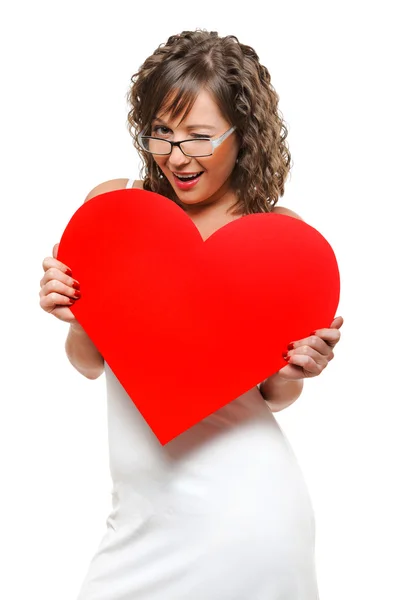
{"x": 222, "y": 511}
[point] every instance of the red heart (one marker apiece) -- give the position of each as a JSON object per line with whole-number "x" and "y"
{"x": 186, "y": 325}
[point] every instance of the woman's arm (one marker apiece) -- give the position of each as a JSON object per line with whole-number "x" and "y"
{"x": 279, "y": 393}
{"x": 82, "y": 353}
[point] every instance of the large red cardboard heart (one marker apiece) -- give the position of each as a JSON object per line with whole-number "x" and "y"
{"x": 188, "y": 325}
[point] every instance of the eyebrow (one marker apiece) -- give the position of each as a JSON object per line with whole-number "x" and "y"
{"x": 210, "y": 127}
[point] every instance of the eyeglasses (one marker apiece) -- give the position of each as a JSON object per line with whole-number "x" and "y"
{"x": 192, "y": 148}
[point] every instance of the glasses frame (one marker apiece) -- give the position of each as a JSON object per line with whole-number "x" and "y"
{"x": 214, "y": 143}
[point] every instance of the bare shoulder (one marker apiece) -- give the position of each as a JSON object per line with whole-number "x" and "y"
{"x": 111, "y": 186}
{"x": 286, "y": 211}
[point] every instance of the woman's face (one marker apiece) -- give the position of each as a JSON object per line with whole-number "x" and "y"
{"x": 213, "y": 185}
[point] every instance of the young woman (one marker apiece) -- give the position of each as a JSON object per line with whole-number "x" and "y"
{"x": 222, "y": 511}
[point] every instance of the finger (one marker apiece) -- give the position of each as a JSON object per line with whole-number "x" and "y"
{"x": 50, "y": 301}
{"x": 55, "y": 250}
{"x": 49, "y": 262}
{"x": 56, "y": 274}
{"x": 330, "y": 336}
{"x": 337, "y": 322}
{"x": 63, "y": 313}
{"x": 310, "y": 367}
{"x": 61, "y": 288}
{"x": 318, "y": 357}
{"x": 291, "y": 372}
{"x": 314, "y": 341}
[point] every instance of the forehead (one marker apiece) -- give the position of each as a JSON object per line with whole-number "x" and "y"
{"x": 204, "y": 110}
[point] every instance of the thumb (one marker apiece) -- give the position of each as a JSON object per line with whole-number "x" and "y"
{"x": 337, "y": 322}
{"x": 55, "y": 250}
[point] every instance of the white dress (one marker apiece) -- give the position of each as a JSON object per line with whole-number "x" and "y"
{"x": 221, "y": 512}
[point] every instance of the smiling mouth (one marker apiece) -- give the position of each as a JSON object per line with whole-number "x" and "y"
{"x": 188, "y": 177}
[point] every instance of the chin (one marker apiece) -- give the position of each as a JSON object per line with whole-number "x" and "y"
{"x": 186, "y": 200}
{"x": 189, "y": 197}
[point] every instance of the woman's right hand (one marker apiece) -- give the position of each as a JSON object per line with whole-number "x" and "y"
{"x": 58, "y": 289}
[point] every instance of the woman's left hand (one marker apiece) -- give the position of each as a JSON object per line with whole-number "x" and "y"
{"x": 309, "y": 357}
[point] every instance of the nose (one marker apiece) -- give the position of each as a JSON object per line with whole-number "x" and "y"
{"x": 177, "y": 158}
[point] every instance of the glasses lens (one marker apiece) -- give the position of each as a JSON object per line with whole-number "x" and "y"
{"x": 156, "y": 146}
{"x": 197, "y": 147}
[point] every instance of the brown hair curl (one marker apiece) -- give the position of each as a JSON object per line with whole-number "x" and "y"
{"x": 172, "y": 77}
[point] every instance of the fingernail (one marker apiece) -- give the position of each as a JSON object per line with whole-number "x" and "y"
{"x": 68, "y": 272}
{"x": 76, "y": 285}
{"x": 285, "y": 355}
{"x": 291, "y": 345}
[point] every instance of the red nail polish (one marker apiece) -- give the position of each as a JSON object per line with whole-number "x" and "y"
{"x": 285, "y": 355}
{"x": 291, "y": 346}
{"x": 68, "y": 272}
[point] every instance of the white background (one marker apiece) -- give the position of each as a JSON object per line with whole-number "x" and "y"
{"x": 65, "y": 71}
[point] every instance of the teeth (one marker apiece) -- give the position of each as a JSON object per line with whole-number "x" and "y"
{"x": 188, "y": 176}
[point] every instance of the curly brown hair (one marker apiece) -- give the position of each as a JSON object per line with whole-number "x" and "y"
{"x": 172, "y": 77}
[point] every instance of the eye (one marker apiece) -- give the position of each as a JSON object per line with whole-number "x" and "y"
{"x": 157, "y": 130}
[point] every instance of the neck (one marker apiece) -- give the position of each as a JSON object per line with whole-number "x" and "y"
{"x": 218, "y": 206}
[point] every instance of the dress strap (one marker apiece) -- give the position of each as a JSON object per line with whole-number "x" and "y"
{"x": 130, "y": 183}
